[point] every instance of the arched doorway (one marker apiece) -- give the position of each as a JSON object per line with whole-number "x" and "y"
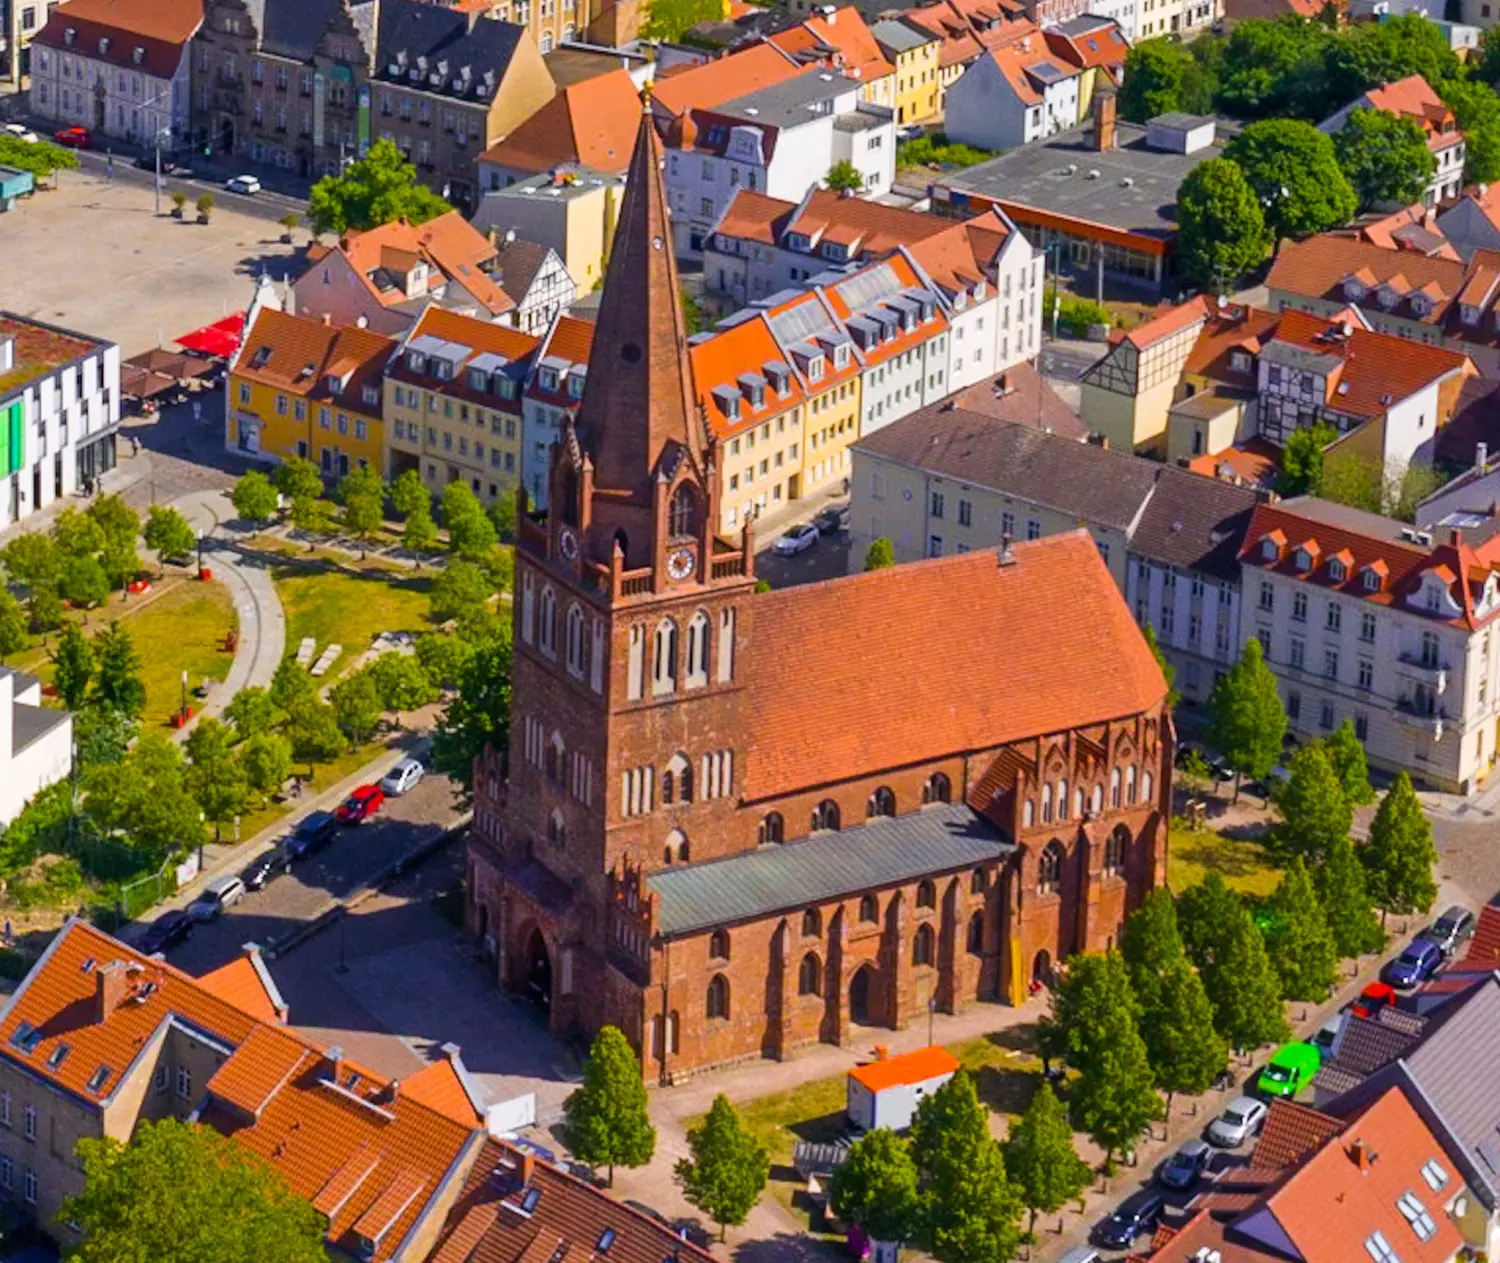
{"x": 538, "y": 971}
{"x": 226, "y": 135}
{"x": 1041, "y": 970}
{"x": 859, "y": 995}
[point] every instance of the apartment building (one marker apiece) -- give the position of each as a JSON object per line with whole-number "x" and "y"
{"x": 1413, "y": 98}
{"x": 1127, "y": 393}
{"x": 59, "y": 413}
{"x": 453, "y": 403}
{"x": 837, "y": 37}
{"x": 20, "y": 20}
{"x": 916, "y": 54}
{"x": 551, "y": 392}
{"x": 1013, "y": 96}
{"x": 572, "y": 210}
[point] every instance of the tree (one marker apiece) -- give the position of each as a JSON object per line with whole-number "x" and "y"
{"x": 876, "y": 1187}
{"x": 313, "y": 729}
{"x": 76, "y": 534}
{"x": 120, "y": 524}
{"x": 1346, "y": 753}
{"x": 1302, "y": 459}
{"x": 1385, "y": 158}
{"x": 297, "y": 478}
{"x": 1040, "y": 1157}
{"x": 380, "y": 187}
{"x": 254, "y": 498}
{"x": 356, "y": 702}
{"x": 217, "y": 777}
{"x": 1315, "y": 814}
{"x": 291, "y": 686}
{"x": 1300, "y": 943}
{"x": 1221, "y": 228}
{"x": 1168, "y": 671}
{"x": 844, "y": 177}
{"x": 73, "y": 663}
{"x": 401, "y": 682}
{"x": 364, "y": 515}
{"x": 1477, "y": 112}
{"x": 251, "y": 710}
{"x": 168, "y": 533}
{"x": 1153, "y": 80}
{"x": 121, "y": 564}
{"x": 420, "y": 532}
{"x": 1203, "y": 913}
{"x": 668, "y": 19}
{"x": 180, "y": 1192}
{"x": 1340, "y": 883}
{"x": 1275, "y": 69}
{"x": 444, "y": 656}
{"x": 267, "y": 760}
{"x": 471, "y": 534}
{"x": 32, "y": 560}
{"x": 1399, "y": 856}
{"x": 360, "y": 481}
{"x": 83, "y": 582}
{"x": 13, "y": 637}
{"x": 1150, "y": 943}
{"x": 408, "y": 494}
{"x": 1242, "y": 985}
{"x": 1184, "y": 1048}
{"x": 118, "y": 684}
{"x": 502, "y": 512}
{"x": 478, "y": 714}
{"x": 880, "y": 554}
{"x": 42, "y": 158}
{"x": 144, "y": 798}
{"x": 1295, "y": 174}
{"x": 607, "y": 1122}
{"x": 101, "y": 735}
{"x": 1246, "y": 720}
{"x": 460, "y": 593}
{"x": 1364, "y": 57}
{"x": 313, "y": 518}
{"x": 728, "y": 1169}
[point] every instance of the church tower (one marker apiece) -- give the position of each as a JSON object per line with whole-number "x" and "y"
{"x": 630, "y": 621}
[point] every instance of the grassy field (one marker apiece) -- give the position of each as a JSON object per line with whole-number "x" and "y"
{"x": 1243, "y": 863}
{"x": 334, "y": 607}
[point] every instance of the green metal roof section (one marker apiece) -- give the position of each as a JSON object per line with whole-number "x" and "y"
{"x": 886, "y": 851}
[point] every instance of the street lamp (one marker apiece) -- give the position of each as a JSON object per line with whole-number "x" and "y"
{"x": 184, "y": 709}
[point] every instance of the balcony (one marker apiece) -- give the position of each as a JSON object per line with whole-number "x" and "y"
{"x": 1421, "y": 714}
{"x": 1425, "y": 668}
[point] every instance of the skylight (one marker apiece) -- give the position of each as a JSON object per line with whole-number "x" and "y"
{"x": 98, "y": 1079}
{"x": 1411, "y": 1208}
{"x": 1433, "y": 1173}
{"x": 606, "y": 1239}
{"x": 58, "y": 1055}
{"x": 529, "y": 1201}
{"x": 26, "y": 1037}
{"x": 1380, "y": 1249}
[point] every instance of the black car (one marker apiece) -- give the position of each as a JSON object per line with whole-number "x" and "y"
{"x": 312, "y": 834}
{"x": 168, "y": 930}
{"x": 169, "y": 164}
{"x": 272, "y": 864}
{"x": 831, "y": 520}
{"x": 1134, "y": 1217}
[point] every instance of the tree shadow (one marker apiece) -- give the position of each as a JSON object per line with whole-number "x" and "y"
{"x": 787, "y": 1247}
{"x": 1005, "y": 1090}
{"x": 1021, "y": 1038}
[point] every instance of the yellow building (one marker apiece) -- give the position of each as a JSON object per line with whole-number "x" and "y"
{"x": 453, "y": 403}
{"x": 916, "y": 55}
{"x": 299, "y": 387}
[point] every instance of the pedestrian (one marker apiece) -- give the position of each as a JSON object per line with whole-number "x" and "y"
{"x": 9, "y": 935}
{"x": 109, "y": 167}
{"x": 135, "y": 446}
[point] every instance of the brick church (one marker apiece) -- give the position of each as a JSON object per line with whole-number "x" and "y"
{"x": 735, "y": 823}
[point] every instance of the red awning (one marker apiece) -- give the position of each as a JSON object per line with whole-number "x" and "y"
{"x": 222, "y": 338}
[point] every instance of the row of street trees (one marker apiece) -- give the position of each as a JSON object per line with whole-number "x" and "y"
{"x": 79, "y": 560}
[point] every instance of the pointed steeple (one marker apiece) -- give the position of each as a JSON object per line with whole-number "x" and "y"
{"x": 638, "y": 394}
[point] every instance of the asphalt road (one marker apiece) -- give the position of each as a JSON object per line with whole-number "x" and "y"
{"x": 266, "y": 204}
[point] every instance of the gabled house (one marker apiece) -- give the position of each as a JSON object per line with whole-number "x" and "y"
{"x": 1413, "y": 98}
{"x": 967, "y": 29}
{"x": 536, "y": 280}
{"x": 1012, "y": 96}
{"x": 837, "y": 37}
{"x": 590, "y": 124}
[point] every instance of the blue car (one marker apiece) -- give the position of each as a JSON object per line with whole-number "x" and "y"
{"x": 1416, "y": 964}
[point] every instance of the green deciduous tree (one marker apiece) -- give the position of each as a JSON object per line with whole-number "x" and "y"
{"x": 1153, "y": 79}
{"x": 381, "y": 187}
{"x": 1399, "y": 856}
{"x": 844, "y": 177}
{"x": 251, "y": 710}
{"x": 419, "y": 534}
{"x": 356, "y": 701}
{"x": 33, "y": 561}
{"x": 13, "y": 637}
{"x": 1202, "y": 913}
{"x": 313, "y": 729}
{"x": 1275, "y": 69}
{"x": 292, "y": 686}
{"x": 1150, "y": 943}
{"x": 668, "y": 19}
{"x": 1221, "y": 227}
{"x": 408, "y": 494}
{"x": 1366, "y": 55}
{"x": 876, "y": 1187}
{"x": 471, "y": 534}
{"x": 297, "y": 478}
{"x": 267, "y": 760}
{"x": 42, "y": 158}
{"x": 76, "y": 534}
{"x": 401, "y": 682}
{"x": 118, "y": 684}
{"x": 1300, "y": 943}
{"x": 1040, "y": 1158}
{"x": 728, "y": 1169}
{"x": 461, "y": 592}
{"x": 314, "y": 518}
{"x": 73, "y": 667}
{"x": 120, "y": 524}
{"x": 1346, "y": 752}
{"x": 1168, "y": 671}
{"x": 144, "y": 798}
{"x": 180, "y": 1192}
{"x": 444, "y": 655}
{"x": 254, "y": 498}
{"x": 1384, "y": 157}
{"x": 168, "y": 533}
{"x": 607, "y": 1121}
{"x": 364, "y": 515}
{"x": 216, "y": 777}
{"x": 1345, "y": 898}
{"x": 84, "y": 582}
{"x": 1477, "y": 111}
{"x": 880, "y": 554}
{"x": 478, "y": 714}
{"x": 1315, "y": 814}
{"x": 1246, "y": 719}
{"x": 1302, "y": 459}
{"x": 100, "y": 736}
{"x": 1292, "y": 168}
{"x": 1241, "y": 983}
{"x": 502, "y": 512}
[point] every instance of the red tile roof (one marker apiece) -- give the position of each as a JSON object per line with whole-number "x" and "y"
{"x": 1484, "y": 947}
{"x": 440, "y": 1085}
{"x": 1165, "y": 323}
{"x": 296, "y": 354}
{"x": 160, "y": 29}
{"x": 244, "y": 986}
{"x": 569, "y": 339}
{"x": 592, "y": 122}
{"x": 964, "y": 255}
{"x": 714, "y": 82}
{"x": 1018, "y": 62}
{"x": 719, "y": 362}
{"x": 481, "y": 337}
{"x": 843, "y": 34}
{"x": 1290, "y": 1134}
{"x": 1253, "y": 463}
{"x": 1414, "y": 98}
{"x": 1105, "y": 45}
{"x": 907, "y": 1069}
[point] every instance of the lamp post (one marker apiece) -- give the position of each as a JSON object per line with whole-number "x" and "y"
{"x": 184, "y": 709}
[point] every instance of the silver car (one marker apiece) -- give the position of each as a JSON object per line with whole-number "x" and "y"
{"x": 1241, "y": 1119}
{"x": 222, "y": 892}
{"x": 402, "y": 778}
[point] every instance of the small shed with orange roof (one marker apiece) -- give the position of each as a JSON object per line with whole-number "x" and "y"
{"x": 887, "y": 1091}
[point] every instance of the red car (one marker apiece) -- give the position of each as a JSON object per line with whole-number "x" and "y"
{"x": 1374, "y": 998}
{"x": 363, "y": 803}
{"x": 73, "y": 137}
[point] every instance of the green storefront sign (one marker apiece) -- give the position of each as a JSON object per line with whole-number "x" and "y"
{"x": 12, "y": 437}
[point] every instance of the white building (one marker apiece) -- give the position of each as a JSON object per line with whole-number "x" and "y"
{"x": 117, "y": 67}
{"x": 1012, "y": 96}
{"x": 59, "y": 413}
{"x": 536, "y": 278}
{"x": 1365, "y": 618}
{"x": 554, "y": 389}
{"x": 887, "y": 1091}
{"x": 36, "y": 743}
{"x": 1413, "y": 98}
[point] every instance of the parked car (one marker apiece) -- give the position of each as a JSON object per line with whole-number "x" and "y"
{"x": 221, "y": 893}
{"x": 1221, "y": 771}
{"x": 402, "y": 778}
{"x": 1372, "y": 999}
{"x": 1290, "y": 1069}
{"x": 797, "y": 540}
{"x": 1451, "y": 930}
{"x": 1241, "y": 1119}
{"x": 263, "y": 870}
{"x": 1416, "y": 964}
{"x": 1323, "y": 1041}
{"x": 168, "y": 930}
{"x": 313, "y": 833}
{"x": 73, "y": 137}
{"x": 832, "y": 519}
{"x": 363, "y": 803}
{"x": 23, "y": 133}
{"x": 248, "y": 185}
{"x": 169, "y": 164}
{"x": 1132, "y": 1218}
{"x": 1184, "y": 1168}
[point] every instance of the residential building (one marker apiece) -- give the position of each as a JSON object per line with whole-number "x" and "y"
{"x": 572, "y": 211}
{"x": 551, "y": 392}
{"x": 967, "y": 29}
{"x": 121, "y": 68}
{"x": 1093, "y": 42}
{"x": 1176, "y": 17}
{"x": 536, "y": 280}
{"x": 577, "y": 61}
{"x": 1473, "y": 221}
{"x": 780, "y": 140}
{"x": 1102, "y": 195}
{"x": 20, "y": 20}
{"x": 1413, "y": 98}
{"x": 1472, "y": 434}
{"x": 36, "y": 743}
{"x": 553, "y": 26}
{"x": 915, "y": 52}
{"x": 452, "y": 403}
{"x": 1413, "y": 228}
{"x": 587, "y": 879}
{"x": 588, "y": 124}
{"x": 59, "y": 413}
{"x": 98, "y": 1039}
{"x": 713, "y": 81}
{"x": 385, "y": 277}
{"x": 1013, "y": 96}
{"x": 304, "y": 387}
{"x": 1366, "y": 618}
{"x": 839, "y": 39}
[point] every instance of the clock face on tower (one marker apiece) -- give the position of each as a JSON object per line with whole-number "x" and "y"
{"x": 567, "y": 543}
{"x": 680, "y": 563}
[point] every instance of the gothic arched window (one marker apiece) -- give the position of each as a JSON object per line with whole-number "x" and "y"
{"x": 1049, "y": 869}
{"x": 682, "y": 518}
{"x": 869, "y": 908}
{"x": 1114, "y": 851}
{"x": 718, "y": 997}
{"x": 926, "y": 895}
{"x": 771, "y": 829}
{"x": 810, "y": 975}
{"x": 825, "y": 815}
{"x": 812, "y": 924}
{"x": 937, "y": 789}
{"x": 664, "y": 661}
{"x": 882, "y": 803}
{"x": 921, "y": 946}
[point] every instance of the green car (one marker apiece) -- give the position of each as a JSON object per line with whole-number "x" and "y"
{"x": 1289, "y": 1071}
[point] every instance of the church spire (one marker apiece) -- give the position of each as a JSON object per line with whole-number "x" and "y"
{"x": 638, "y": 395}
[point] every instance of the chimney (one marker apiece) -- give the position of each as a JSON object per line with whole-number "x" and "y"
{"x": 528, "y": 1167}
{"x": 881, "y": 1052}
{"x": 110, "y": 989}
{"x": 327, "y": 318}
{"x": 510, "y": 236}
{"x": 1104, "y": 120}
{"x": 335, "y": 1055}
{"x": 1361, "y": 1155}
{"x": 1481, "y": 456}
{"x": 1005, "y": 557}
{"x": 450, "y": 1051}
{"x": 1456, "y": 536}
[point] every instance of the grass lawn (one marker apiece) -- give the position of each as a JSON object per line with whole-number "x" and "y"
{"x": 1243, "y": 863}
{"x": 334, "y": 607}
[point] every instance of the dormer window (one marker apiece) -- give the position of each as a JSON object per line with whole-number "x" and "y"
{"x": 478, "y": 379}
{"x": 103, "y": 45}
{"x": 1336, "y": 570}
{"x": 798, "y": 241}
{"x": 1239, "y": 361}
{"x": 505, "y": 386}
{"x": 548, "y": 378}
{"x": 371, "y": 395}
{"x": 1371, "y": 579}
{"x": 1420, "y": 304}
{"x": 815, "y": 368}
{"x": 728, "y": 400}
{"x": 416, "y": 361}
{"x": 833, "y": 250}
{"x": 332, "y": 384}
{"x": 138, "y": 55}
{"x": 1353, "y": 290}
{"x": 1388, "y": 297}
{"x": 1304, "y": 559}
{"x": 841, "y": 356}
{"x": 576, "y": 380}
{"x": 69, "y": 36}
{"x": 1270, "y": 550}
{"x": 1469, "y": 313}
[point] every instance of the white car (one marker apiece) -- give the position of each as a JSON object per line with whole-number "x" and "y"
{"x": 402, "y": 778}
{"x": 797, "y": 540}
{"x": 21, "y": 132}
{"x": 246, "y": 184}
{"x": 1241, "y": 1119}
